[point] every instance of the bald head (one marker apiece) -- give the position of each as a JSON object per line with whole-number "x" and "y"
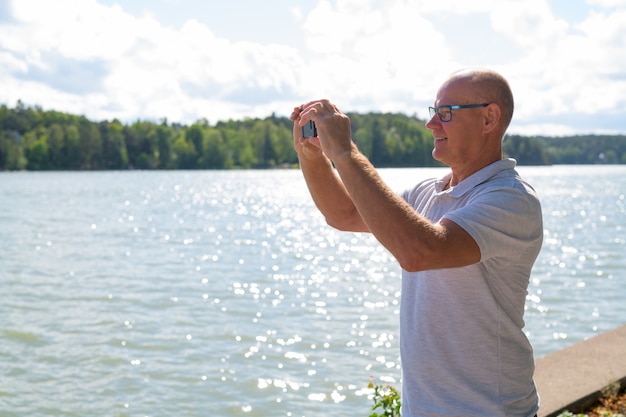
{"x": 487, "y": 86}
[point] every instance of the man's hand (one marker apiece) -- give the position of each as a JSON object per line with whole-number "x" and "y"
{"x": 307, "y": 148}
{"x": 333, "y": 128}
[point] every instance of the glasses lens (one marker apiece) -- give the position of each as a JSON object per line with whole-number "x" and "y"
{"x": 445, "y": 113}
{"x": 432, "y": 111}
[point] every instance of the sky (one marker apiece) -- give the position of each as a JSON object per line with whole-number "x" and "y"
{"x": 187, "y": 60}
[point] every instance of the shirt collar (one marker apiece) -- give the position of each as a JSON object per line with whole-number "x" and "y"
{"x": 475, "y": 179}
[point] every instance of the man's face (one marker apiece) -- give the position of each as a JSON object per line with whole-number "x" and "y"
{"x": 457, "y": 142}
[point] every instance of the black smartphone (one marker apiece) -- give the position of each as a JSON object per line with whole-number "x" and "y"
{"x": 309, "y": 130}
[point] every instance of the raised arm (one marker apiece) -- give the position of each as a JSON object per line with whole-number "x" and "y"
{"x": 416, "y": 243}
{"x": 328, "y": 192}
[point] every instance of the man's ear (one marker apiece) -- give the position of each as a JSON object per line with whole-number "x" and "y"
{"x": 492, "y": 117}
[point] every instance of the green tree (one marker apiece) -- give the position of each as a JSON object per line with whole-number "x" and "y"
{"x": 37, "y": 155}
{"x": 194, "y": 135}
{"x": 72, "y": 148}
{"x": 31, "y": 138}
{"x": 527, "y": 151}
{"x": 90, "y": 144}
{"x": 21, "y": 119}
{"x": 11, "y": 151}
{"x": 184, "y": 154}
{"x": 142, "y": 145}
{"x": 395, "y": 147}
{"x": 114, "y": 153}
{"x": 378, "y": 154}
{"x": 56, "y": 145}
{"x": 215, "y": 155}
{"x": 165, "y": 138}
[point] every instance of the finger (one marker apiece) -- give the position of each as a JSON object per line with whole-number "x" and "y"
{"x": 297, "y": 130}
{"x": 310, "y": 111}
{"x": 315, "y": 142}
{"x": 295, "y": 114}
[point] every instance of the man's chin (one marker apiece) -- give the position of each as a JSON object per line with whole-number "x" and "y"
{"x": 438, "y": 155}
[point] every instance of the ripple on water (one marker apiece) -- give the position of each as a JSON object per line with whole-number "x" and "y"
{"x": 210, "y": 292}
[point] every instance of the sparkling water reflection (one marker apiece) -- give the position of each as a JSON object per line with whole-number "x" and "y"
{"x": 224, "y": 293}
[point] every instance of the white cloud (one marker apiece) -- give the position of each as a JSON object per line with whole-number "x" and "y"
{"x": 575, "y": 71}
{"x": 364, "y": 55}
{"x": 151, "y": 71}
{"x": 375, "y": 57}
{"x": 80, "y": 30}
{"x": 393, "y": 55}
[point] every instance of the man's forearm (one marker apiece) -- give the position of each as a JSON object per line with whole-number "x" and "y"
{"x": 394, "y": 223}
{"x": 330, "y": 195}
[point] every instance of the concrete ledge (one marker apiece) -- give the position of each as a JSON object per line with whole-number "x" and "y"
{"x": 573, "y": 378}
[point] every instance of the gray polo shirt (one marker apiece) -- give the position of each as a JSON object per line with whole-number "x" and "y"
{"x": 462, "y": 346}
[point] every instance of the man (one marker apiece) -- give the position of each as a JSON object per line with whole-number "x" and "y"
{"x": 466, "y": 244}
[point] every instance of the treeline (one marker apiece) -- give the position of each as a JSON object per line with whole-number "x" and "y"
{"x": 581, "y": 149}
{"x": 34, "y": 139}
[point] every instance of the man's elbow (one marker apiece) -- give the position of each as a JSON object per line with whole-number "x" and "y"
{"x": 347, "y": 224}
{"x": 417, "y": 259}
{"x": 412, "y": 261}
{"x": 427, "y": 260}
{"x": 414, "y": 264}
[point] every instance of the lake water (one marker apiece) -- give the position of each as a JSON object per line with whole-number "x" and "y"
{"x": 224, "y": 293}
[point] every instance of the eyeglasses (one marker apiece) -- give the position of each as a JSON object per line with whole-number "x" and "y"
{"x": 445, "y": 112}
